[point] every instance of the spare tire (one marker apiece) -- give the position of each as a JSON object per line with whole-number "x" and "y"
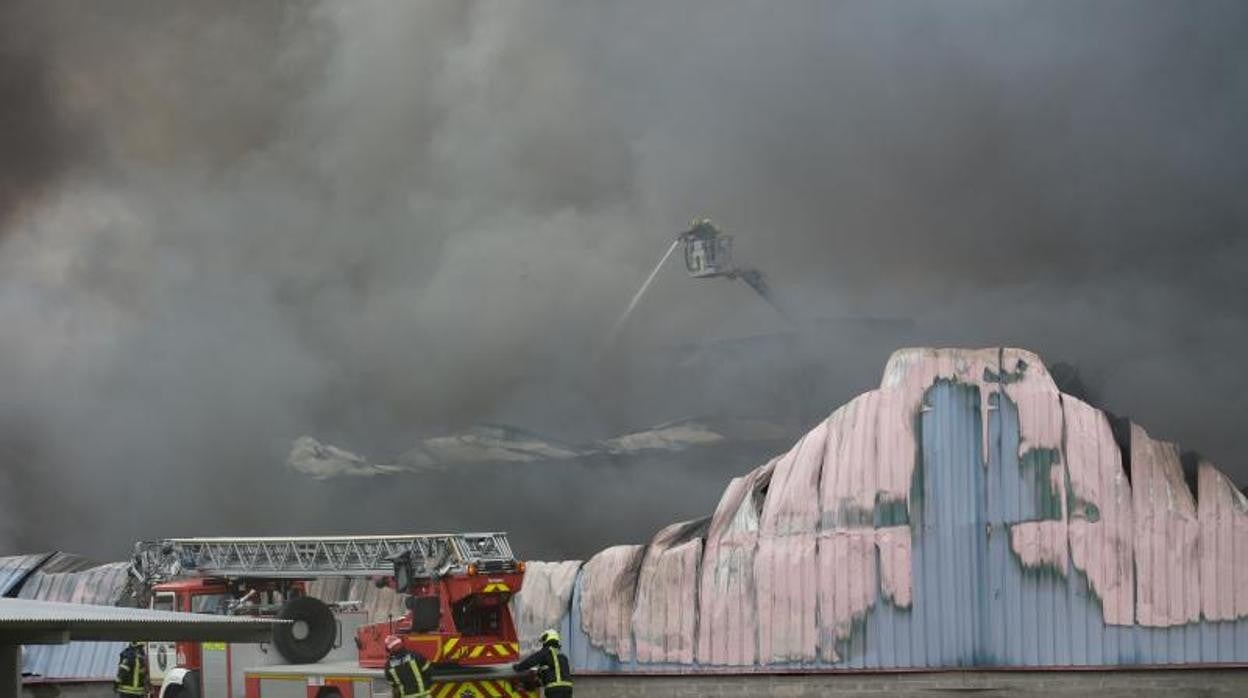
{"x": 311, "y": 633}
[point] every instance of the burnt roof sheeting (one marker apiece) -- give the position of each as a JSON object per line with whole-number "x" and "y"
{"x": 966, "y": 513}
{"x": 103, "y": 584}
{"x": 66, "y": 562}
{"x": 15, "y": 568}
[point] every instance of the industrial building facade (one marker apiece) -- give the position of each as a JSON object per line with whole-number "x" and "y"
{"x": 965, "y": 514}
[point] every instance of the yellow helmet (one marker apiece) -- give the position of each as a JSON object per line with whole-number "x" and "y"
{"x": 550, "y": 637}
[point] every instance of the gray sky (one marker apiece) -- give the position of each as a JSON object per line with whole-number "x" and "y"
{"x": 223, "y": 226}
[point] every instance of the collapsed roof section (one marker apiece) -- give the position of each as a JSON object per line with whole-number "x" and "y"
{"x": 965, "y": 513}
{"x": 490, "y": 443}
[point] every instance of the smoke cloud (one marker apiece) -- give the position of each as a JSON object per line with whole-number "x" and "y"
{"x": 223, "y": 226}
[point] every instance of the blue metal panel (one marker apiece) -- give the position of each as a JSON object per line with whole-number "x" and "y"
{"x": 945, "y": 625}
{"x": 78, "y": 661}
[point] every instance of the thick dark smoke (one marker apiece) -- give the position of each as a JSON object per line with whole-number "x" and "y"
{"x": 229, "y": 224}
{"x": 37, "y": 146}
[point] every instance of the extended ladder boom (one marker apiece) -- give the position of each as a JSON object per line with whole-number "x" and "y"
{"x": 311, "y": 557}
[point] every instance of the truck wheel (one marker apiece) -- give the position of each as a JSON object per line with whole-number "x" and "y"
{"x": 329, "y": 692}
{"x": 310, "y": 634}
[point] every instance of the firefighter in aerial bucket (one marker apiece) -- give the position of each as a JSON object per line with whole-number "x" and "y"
{"x": 408, "y": 672}
{"x": 552, "y": 667}
{"x": 132, "y": 671}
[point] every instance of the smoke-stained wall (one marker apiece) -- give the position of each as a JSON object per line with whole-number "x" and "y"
{"x": 226, "y": 226}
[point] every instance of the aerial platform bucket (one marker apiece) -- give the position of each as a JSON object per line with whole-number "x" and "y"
{"x": 708, "y": 252}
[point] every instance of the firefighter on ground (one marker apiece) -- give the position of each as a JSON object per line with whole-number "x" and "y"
{"x": 552, "y": 667}
{"x": 132, "y": 671}
{"x": 408, "y": 672}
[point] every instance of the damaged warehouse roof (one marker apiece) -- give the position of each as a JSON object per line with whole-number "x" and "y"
{"x": 492, "y": 443}
{"x": 60, "y": 577}
{"x": 965, "y": 513}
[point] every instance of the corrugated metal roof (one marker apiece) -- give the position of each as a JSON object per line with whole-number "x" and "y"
{"x": 29, "y": 613}
{"x": 966, "y": 513}
{"x": 67, "y": 562}
{"x": 70, "y": 578}
{"x": 32, "y": 621}
{"x": 102, "y": 584}
{"x": 15, "y": 568}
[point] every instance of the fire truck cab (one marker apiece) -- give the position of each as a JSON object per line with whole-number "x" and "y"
{"x": 458, "y": 618}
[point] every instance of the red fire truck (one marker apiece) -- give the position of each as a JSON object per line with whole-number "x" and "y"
{"x": 456, "y": 587}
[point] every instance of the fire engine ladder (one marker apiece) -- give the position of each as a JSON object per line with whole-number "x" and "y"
{"x": 311, "y": 557}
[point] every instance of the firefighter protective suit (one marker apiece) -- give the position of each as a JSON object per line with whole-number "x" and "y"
{"x": 552, "y": 667}
{"x": 409, "y": 674}
{"x": 132, "y": 671}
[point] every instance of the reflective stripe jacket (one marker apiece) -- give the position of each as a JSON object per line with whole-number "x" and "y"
{"x": 131, "y": 673}
{"x": 409, "y": 675}
{"x": 552, "y": 665}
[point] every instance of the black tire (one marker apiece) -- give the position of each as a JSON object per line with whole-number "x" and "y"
{"x": 329, "y": 692}
{"x": 311, "y": 633}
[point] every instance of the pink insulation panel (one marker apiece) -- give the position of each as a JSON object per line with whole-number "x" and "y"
{"x": 1100, "y": 521}
{"x": 1223, "y": 546}
{"x": 608, "y": 589}
{"x": 1028, "y": 385}
{"x": 666, "y": 612}
{"x": 543, "y": 599}
{"x": 728, "y": 620}
{"x": 846, "y": 584}
{"x": 1167, "y": 531}
{"x": 785, "y": 565}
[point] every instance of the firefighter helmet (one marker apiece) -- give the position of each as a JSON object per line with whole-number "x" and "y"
{"x": 394, "y": 644}
{"x": 550, "y": 637}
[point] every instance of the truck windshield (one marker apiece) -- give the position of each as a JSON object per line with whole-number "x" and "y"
{"x": 211, "y": 603}
{"x": 474, "y": 618}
